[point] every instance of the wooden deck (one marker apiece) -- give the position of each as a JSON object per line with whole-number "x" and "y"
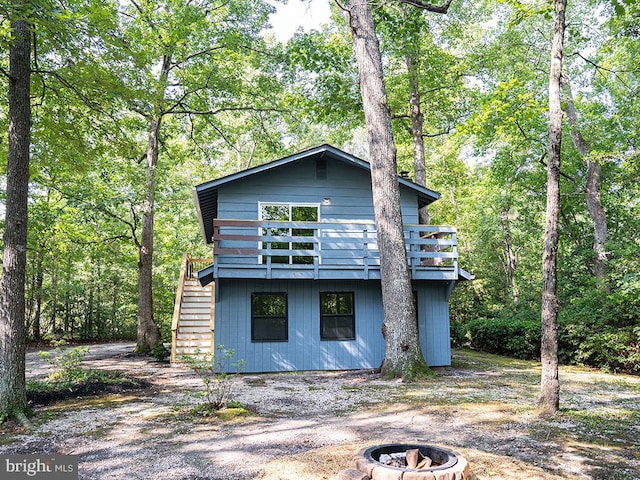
{"x": 325, "y": 250}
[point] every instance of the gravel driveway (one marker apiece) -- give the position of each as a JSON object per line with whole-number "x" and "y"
{"x": 308, "y": 425}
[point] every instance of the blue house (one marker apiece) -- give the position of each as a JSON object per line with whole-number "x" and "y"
{"x": 295, "y": 279}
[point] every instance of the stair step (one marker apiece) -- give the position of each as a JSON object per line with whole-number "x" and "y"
{"x": 196, "y": 308}
{"x": 194, "y": 322}
{"x": 195, "y": 319}
{"x": 195, "y": 329}
{"x": 195, "y": 315}
{"x": 196, "y": 296}
{"x": 194, "y": 336}
{"x": 191, "y": 351}
{"x": 201, "y": 344}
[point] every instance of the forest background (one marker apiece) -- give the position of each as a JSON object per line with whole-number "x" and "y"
{"x": 226, "y": 96}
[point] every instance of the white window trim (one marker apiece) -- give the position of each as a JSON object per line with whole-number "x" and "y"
{"x": 290, "y": 205}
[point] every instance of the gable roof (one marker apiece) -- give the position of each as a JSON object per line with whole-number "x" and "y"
{"x": 206, "y": 194}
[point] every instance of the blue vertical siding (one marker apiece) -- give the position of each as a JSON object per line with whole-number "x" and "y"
{"x": 433, "y": 323}
{"x": 304, "y": 350}
{"x": 347, "y": 190}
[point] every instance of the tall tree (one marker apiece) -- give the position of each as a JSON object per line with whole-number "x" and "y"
{"x": 191, "y": 53}
{"x": 549, "y": 401}
{"x": 13, "y": 401}
{"x": 148, "y": 332}
{"x": 403, "y": 355}
{"x": 412, "y": 62}
{"x": 592, "y": 187}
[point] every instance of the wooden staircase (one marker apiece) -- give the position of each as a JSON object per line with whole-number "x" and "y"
{"x": 193, "y": 314}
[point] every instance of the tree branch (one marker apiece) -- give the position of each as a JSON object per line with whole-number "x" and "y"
{"x": 188, "y": 111}
{"x": 131, "y": 224}
{"x": 429, "y": 7}
{"x": 86, "y": 100}
{"x": 568, "y": 177}
{"x": 195, "y": 54}
{"x": 600, "y": 67}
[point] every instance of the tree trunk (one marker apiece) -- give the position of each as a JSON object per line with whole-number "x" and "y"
{"x": 549, "y": 401}
{"x": 592, "y": 189}
{"x": 510, "y": 258}
{"x": 417, "y": 133}
{"x": 13, "y": 401}
{"x": 148, "y": 331}
{"x": 403, "y": 355}
{"x": 54, "y": 303}
{"x": 39, "y": 279}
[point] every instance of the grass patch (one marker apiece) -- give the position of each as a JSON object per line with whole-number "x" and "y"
{"x": 204, "y": 413}
{"x": 614, "y": 426}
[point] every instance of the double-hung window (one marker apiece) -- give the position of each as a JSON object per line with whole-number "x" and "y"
{"x": 337, "y": 316}
{"x": 269, "y": 322}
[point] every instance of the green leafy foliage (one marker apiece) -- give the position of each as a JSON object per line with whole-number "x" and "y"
{"x": 211, "y": 369}
{"x": 502, "y": 336}
{"x": 66, "y": 362}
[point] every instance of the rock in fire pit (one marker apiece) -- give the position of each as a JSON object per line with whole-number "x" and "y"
{"x": 399, "y": 461}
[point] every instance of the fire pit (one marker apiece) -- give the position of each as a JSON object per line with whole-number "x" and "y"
{"x": 398, "y": 461}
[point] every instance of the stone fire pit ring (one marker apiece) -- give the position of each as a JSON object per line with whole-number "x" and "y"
{"x": 447, "y": 464}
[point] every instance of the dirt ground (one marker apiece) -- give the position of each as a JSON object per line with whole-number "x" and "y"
{"x": 307, "y": 426}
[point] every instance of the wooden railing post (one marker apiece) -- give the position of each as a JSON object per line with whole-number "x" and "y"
{"x": 176, "y": 305}
{"x": 365, "y": 250}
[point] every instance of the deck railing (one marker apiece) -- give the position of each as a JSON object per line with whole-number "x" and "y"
{"x": 317, "y": 246}
{"x": 195, "y": 264}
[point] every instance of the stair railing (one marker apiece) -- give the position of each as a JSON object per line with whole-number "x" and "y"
{"x": 177, "y": 303}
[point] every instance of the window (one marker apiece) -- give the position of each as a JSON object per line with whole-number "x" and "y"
{"x": 269, "y": 317}
{"x": 284, "y": 212}
{"x": 337, "y": 318}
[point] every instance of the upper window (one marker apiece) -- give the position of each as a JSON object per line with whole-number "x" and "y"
{"x": 285, "y": 212}
{"x": 337, "y": 317}
{"x": 269, "y": 317}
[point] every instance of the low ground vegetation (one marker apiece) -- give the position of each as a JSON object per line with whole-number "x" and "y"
{"x": 610, "y": 346}
{"x": 308, "y": 425}
{"x": 69, "y": 378}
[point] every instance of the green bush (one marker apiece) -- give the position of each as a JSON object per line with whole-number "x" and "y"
{"x": 160, "y": 352}
{"x": 611, "y": 349}
{"x": 211, "y": 370}
{"x": 65, "y": 361}
{"x": 514, "y": 338}
{"x": 583, "y": 341}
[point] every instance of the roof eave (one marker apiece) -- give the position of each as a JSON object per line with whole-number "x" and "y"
{"x": 196, "y": 199}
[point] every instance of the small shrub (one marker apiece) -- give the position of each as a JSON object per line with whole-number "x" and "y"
{"x": 95, "y": 382}
{"x": 66, "y": 361}
{"x": 160, "y": 352}
{"x": 211, "y": 370}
